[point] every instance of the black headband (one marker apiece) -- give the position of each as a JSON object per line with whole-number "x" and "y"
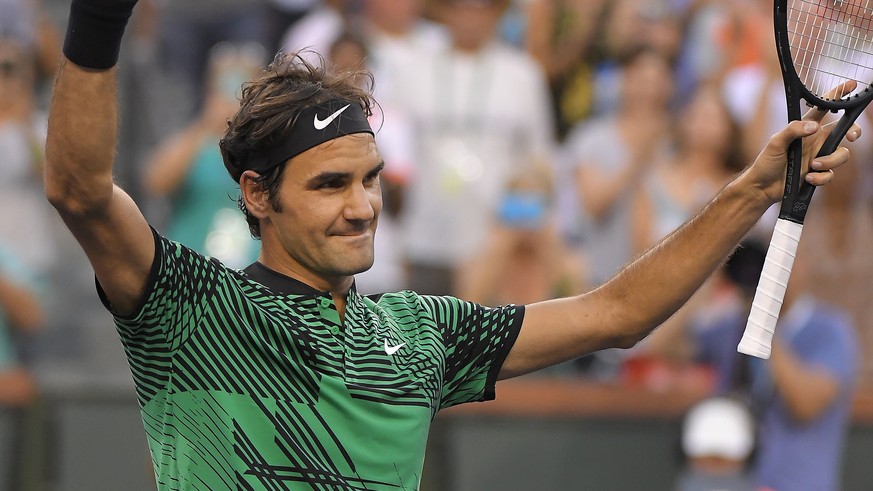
{"x": 312, "y": 127}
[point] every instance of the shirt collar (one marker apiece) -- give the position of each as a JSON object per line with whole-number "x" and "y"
{"x": 280, "y": 283}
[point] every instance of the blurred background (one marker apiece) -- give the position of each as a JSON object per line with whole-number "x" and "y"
{"x": 532, "y": 148}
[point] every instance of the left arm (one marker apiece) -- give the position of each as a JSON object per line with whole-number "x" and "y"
{"x": 627, "y": 308}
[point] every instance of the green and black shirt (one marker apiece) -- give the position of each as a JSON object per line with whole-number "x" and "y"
{"x": 248, "y": 379}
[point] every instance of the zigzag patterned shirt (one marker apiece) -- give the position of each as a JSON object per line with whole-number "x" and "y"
{"x": 249, "y": 380}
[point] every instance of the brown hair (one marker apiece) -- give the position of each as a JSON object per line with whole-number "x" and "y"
{"x": 270, "y": 105}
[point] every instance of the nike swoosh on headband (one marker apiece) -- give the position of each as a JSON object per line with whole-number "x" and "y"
{"x": 322, "y": 124}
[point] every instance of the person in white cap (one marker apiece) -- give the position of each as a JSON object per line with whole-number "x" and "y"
{"x": 718, "y": 437}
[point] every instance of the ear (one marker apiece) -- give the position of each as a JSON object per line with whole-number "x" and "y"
{"x": 256, "y": 199}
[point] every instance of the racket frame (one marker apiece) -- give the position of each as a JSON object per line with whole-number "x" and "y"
{"x": 798, "y": 193}
{"x": 769, "y": 295}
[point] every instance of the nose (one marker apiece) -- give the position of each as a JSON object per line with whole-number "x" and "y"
{"x": 362, "y": 204}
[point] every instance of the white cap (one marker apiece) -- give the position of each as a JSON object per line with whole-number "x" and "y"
{"x": 718, "y": 427}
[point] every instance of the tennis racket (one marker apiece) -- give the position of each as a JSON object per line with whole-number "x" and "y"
{"x": 825, "y": 51}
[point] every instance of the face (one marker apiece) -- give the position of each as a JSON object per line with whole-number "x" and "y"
{"x": 329, "y": 203}
{"x": 471, "y": 23}
{"x": 15, "y": 73}
{"x": 648, "y": 80}
{"x": 706, "y": 122}
{"x": 394, "y": 16}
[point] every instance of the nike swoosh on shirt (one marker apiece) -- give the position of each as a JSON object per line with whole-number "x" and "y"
{"x": 321, "y": 124}
{"x": 390, "y": 350}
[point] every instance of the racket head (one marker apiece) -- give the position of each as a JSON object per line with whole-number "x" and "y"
{"x": 821, "y": 44}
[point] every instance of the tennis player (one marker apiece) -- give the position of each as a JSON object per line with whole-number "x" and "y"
{"x": 282, "y": 376}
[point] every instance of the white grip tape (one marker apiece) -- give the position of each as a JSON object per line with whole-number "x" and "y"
{"x": 771, "y": 290}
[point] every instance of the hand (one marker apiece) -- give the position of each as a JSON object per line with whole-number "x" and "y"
{"x": 767, "y": 173}
{"x": 217, "y": 110}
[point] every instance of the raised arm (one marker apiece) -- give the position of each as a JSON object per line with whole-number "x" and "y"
{"x": 627, "y": 308}
{"x": 80, "y": 152}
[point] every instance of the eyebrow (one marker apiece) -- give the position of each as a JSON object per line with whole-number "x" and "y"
{"x": 377, "y": 169}
{"x": 326, "y": 177}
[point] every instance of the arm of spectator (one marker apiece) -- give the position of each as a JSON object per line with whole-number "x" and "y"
{"x": 807, "y": 390}
{"x": 556, "y": 57}
{"x": 599, "y": 193}
{"x": 170, "y": 163}
{"x": 48, "y": 42}
{"x": 481, "y": 276}
{"x": 20, "y": 305}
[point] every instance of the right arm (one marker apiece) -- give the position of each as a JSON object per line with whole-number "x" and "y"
{"x": 80, "y": 151}
{"x": 646, "y": 293}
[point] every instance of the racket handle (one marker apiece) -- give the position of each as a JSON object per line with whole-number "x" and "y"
{"x": 758, "y": 335}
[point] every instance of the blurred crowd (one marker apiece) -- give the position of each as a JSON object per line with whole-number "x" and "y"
{"x": 532, "y": 148}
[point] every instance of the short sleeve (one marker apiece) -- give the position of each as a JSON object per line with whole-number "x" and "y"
{"x": 173, "y": 305}
{"x": 477, "y": 340}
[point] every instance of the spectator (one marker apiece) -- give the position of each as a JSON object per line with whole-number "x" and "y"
{"x": 718, "y": 437}
{"x": 717, "y": 328}
{"x": 396, "y": 34}
{"x": 26, "y": 232}
{"x": 612, "y": 155}
{"x": 187, "y": 169}
{"x": 26, "y": 22}
{"x": 803, "y": 393}
{"x": 525, "y": 259}
{"x": 314, "y": 33}
{"x": 705, "y": 157}
{"x": 21, "y": 310}
{"x": 187, "y": 30}
{"x": 481, "y": 111}
{"x": 563, "y": 35}
{"x": 283, "y": 14}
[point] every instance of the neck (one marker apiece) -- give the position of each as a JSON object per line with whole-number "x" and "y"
{"x": 468, "y": 46}
{"x": 338, "y": 286}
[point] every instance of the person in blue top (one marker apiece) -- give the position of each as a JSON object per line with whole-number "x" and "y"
{"x": 803, "y": 393}
{"x": 20, "y": 310}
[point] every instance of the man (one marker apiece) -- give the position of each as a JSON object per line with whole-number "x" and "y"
{"x": 282, "y": 376}
{"x": 481, "y": 113}
{"x": 803, "y": 393}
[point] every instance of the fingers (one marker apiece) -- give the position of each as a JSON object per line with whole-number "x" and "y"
{"x": 854, "y": 133}
{"x": 823, "y": 166}
{"x": 794, "y": 130}
{"x": 842, "y": 90}
{"x": 820, "y": 178}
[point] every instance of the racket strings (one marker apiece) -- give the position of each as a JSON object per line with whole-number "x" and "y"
{"x": 831, "y": 41}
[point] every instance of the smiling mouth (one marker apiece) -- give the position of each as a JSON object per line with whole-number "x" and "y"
{"x": 356, "y": 234}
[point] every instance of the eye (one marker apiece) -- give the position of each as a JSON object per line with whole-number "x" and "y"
{"x": 372, "y": 178}
{"x": 330, "y": 184}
